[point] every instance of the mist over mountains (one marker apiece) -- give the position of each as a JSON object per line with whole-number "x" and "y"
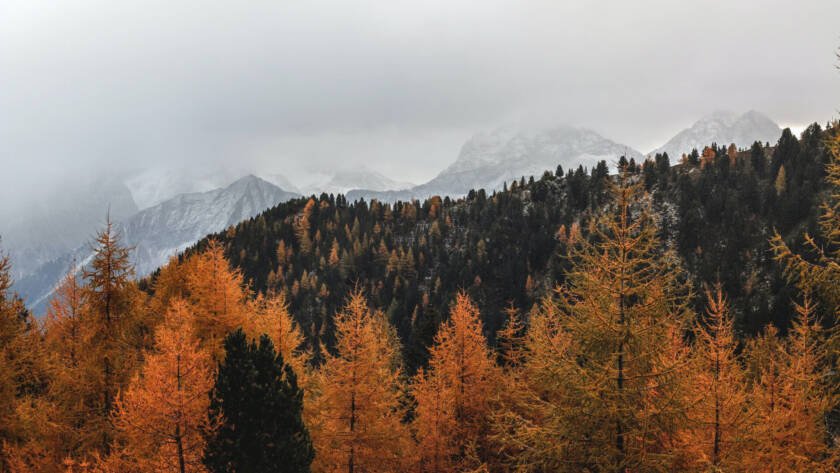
{"x": 160, "y": 211}
{"x": 163, "y": 230}
{"x": 723, "y": 128}
{"x": 488, "y": 160}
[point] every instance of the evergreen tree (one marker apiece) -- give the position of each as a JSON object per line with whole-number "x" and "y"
{"x": 757, "y": 159}
{"x": 819, "y": 276}
{"x": 258, "y": 407}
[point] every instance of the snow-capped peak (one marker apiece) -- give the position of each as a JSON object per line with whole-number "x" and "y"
{"x": 723, "y": 128}
{"x": 527, "y": 152}
{"x": 488, "y": 160}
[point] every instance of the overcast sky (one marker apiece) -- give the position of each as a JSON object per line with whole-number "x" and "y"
{"x": 297, "y": 87}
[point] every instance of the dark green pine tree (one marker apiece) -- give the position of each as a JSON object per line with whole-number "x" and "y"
{"x": 258, "y": 405}
{"x": 758, "y": 159}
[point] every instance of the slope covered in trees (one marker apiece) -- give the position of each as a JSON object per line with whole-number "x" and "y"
{"x": 716, "y": 208}
{"x": 555, "y": 326}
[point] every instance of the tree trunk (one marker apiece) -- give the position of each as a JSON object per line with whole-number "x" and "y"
{"x": 178, "y": 440}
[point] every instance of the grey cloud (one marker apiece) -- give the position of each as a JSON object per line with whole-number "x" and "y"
{"x": 103, "y": 87}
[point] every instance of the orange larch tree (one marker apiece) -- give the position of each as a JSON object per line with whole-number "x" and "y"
{"x": 63, "y": 328}
{"x": 22, "y": 375}
{"x": 434, "y": 424}
{"x": 356, "y": 425}
{"x": 66, "y": 338}
{"x": 607, "y": 355}
{"x": 162, "y": 415}
{"x": 170, "y": 282}
{"x": 456, "y": 391}
{"x": 270, "y": 315}
{"x": 530, "y": 427}
{"x": 791, "y": 398}
{"x": 217, "y": 295}
{"x": 302, "y": 225}
{"x": 719, "y": 424}
{"x": 113, "y": 315}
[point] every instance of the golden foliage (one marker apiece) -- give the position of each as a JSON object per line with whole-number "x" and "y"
{"x": 270, "y": 315}
{"x": 162, "y": 415}
{"x": 791, "y": 397}
{"x": 719, "y": 423}
{"x": 357, "y": 410}
{"x": 217, "y": 297}
{"x": 454, "y": 395}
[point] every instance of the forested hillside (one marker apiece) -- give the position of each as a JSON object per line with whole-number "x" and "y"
{"x": 716, "y": 208}
{"x": 666, "y": 318}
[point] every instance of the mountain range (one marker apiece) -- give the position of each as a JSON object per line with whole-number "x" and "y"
{"x": 488, "y": 160}
{"x": 160, "y": 212}
{"x": 163, "y": 230}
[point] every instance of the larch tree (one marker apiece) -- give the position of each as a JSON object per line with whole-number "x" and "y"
{"x": 434, "y": 424}
{"x": 170, "y": 282}
{"x": 511, "y": 339}
{"x": 67, "y": 334}
{"x": 22, "y": 373}
{"x": 113, "y": 308}
{"x": 531, "y": 425}
{"x": 456, "y": 391}
{"x": 302, "y": 225}
{"x": 718, "y": 428}
{"x": 161, "y": 417}
{"x": 780, "y": 184}
{"x": 63, "y": 329}
{"x": 217, "y": 295}
{"x": 621, "y": 312}
{"x": 791, "y": 396}
{"x": 357, "y": 409}
{"x": 270, "y": 315}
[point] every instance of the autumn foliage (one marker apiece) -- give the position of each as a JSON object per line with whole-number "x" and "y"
{"x": 357, "y": 424}
{"x": 192, "y": 371}
{"x": 161, "y": 418}
{"x": 454, "y": 396}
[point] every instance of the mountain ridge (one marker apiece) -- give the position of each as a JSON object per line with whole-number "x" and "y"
{"x": 163, "y": 230}
{"x": 489, "y": 159}
{"x": 723, "y": 128}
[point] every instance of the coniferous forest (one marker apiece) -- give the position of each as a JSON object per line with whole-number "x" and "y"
{"x": 678, "y": 315}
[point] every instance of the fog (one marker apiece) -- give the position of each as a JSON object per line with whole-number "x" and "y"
{"x": 104, "y": 88}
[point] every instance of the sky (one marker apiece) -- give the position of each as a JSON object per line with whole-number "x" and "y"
{"x": 306, "y": 87}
